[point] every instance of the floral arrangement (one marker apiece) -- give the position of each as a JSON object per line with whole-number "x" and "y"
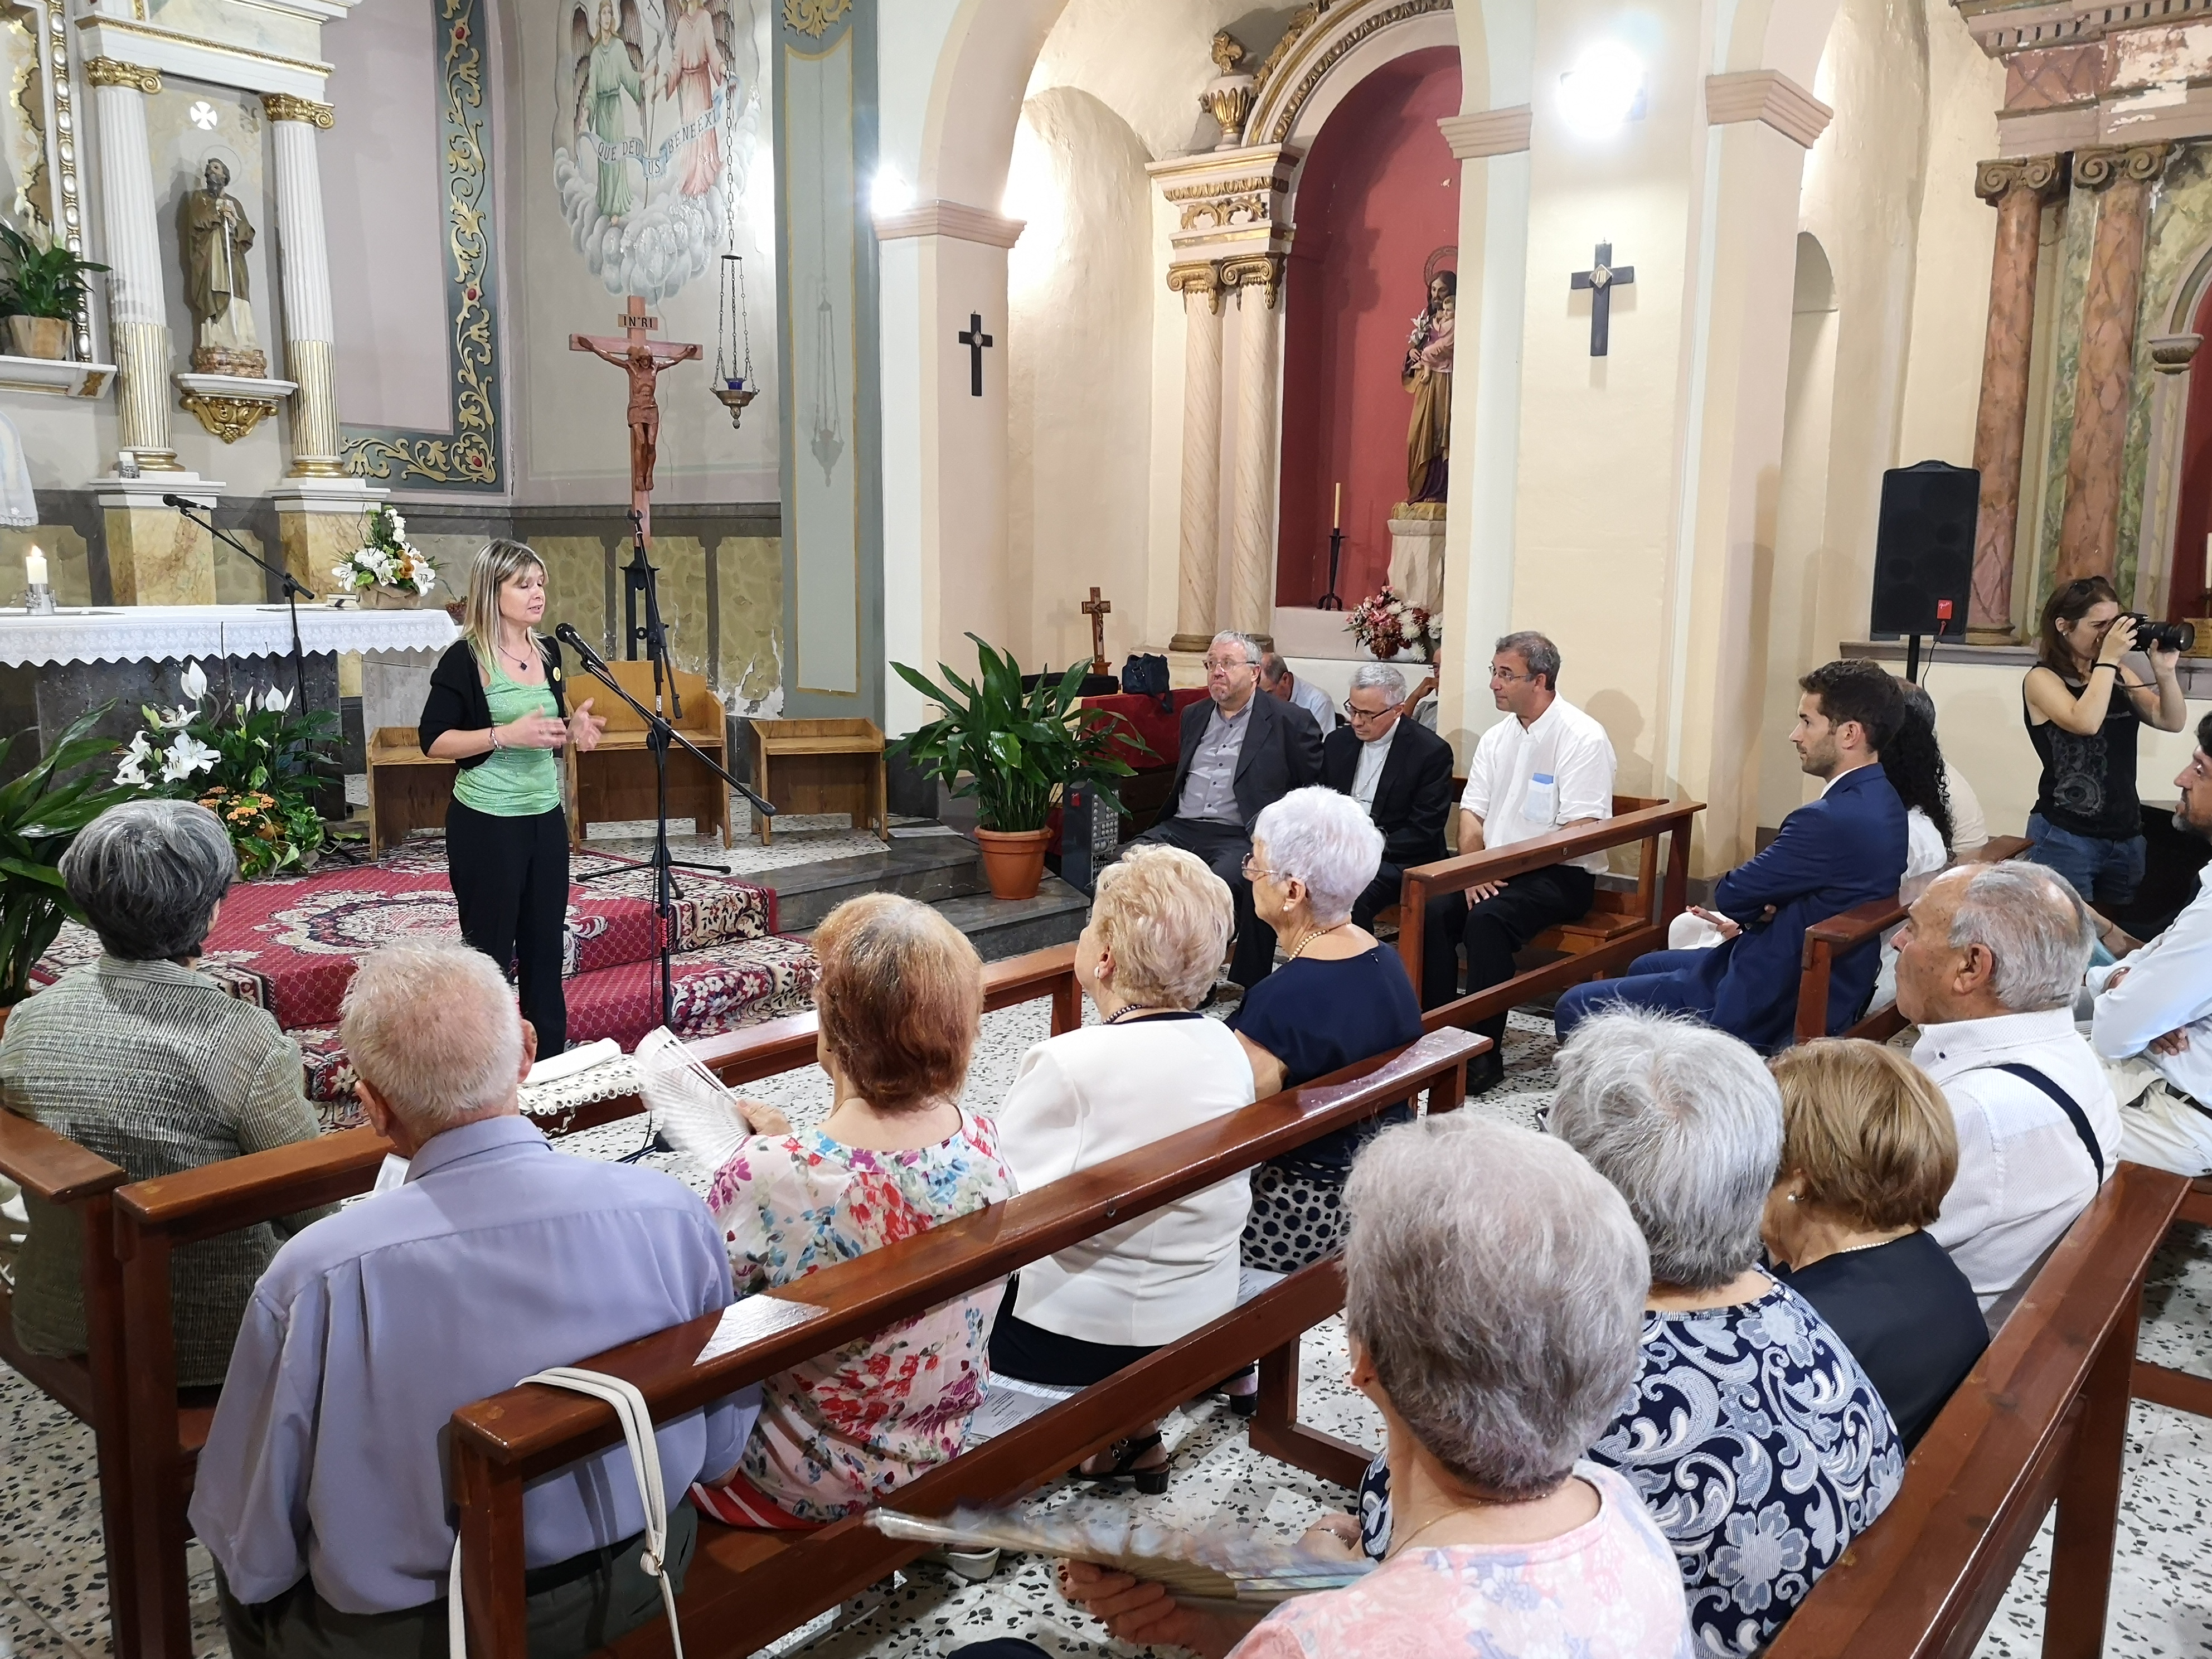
{"x": 1388, "y": 626}
{"x": 257, "y": 766}
{"x": 386, "y": 560}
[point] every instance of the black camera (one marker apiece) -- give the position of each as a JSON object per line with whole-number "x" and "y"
{"x": 2162, "y": 636}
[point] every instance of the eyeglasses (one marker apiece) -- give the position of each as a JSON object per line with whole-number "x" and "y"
{"x": 1507, "y": 676}
{"x": 1352, "y": 713}
{"x": 1226, "y": 663}
{"x": 1251, "y": 874}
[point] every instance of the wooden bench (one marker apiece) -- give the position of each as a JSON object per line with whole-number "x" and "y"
{"x": 407, "y": 790}
{"x": 821, "y": 766}
{"x": 744, "y": 1588}
{"x": 616, "y": 784}
{"x": 152, "y": 1218}
{"x": 1606, "y": 947}
{"x": 2041, "y": 1419}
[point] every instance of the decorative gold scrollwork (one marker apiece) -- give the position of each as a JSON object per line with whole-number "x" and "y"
{"x": 283, "y": 107}
{"x": 814, "y": 17}
{"x": 228, "y": 418}
{"x": 114, "y": 72}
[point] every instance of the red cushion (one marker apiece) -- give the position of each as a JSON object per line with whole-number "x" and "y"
{"x": 1161, "y": 731}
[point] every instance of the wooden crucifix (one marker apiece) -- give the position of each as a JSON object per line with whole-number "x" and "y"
{"x": 1096, "y": 609}
{"x": 642, "y": 359}
{"x": 975, "y": 339}
{"x": 1600, "y": 279}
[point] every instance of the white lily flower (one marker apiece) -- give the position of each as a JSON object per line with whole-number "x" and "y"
{"x": 276, "y": 701}
{"x": 177, "y": 718}
{"x": 398, "y": 525}
{"x": 187, "y": 755}
{"x": 130, "y": 776}
{"x": 195, "y": 681}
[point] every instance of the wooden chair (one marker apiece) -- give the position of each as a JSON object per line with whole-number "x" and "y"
{"x": 1605, "y": 945}
{"x": 2042, "y": 1419}
{"x": 153, "y": 1217}
{"x": 407, "y": 789}
{"x": 90, "y": 1387}
{"x": 616, "y": 782}
{"x": 744, "y": 1588}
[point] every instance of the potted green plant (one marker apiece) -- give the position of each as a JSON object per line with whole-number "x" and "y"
{"x": 43, "y": 289}
{"x": 1015, "y": 752}
{"x": 39, "y": 816}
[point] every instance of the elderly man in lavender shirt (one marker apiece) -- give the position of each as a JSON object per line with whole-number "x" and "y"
{"x": 322, "y": 1491}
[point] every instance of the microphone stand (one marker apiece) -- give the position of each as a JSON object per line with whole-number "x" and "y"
{"x": 658, "y": 735}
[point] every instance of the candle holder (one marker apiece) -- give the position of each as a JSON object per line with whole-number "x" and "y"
{"x": 38, "y": 600}
{"x": 1329, "y": 601}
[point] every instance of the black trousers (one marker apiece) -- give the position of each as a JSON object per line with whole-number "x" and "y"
{"x": 1440, "y": 923}
{"x": 510, "y": 879}
{"x": 1224, "y": 846}
{"x": 1030, "y": 1353}
{"x": 1504, "y": 922}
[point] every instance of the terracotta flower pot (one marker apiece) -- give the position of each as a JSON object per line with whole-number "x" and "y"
{"x": 39, "y": 336}
{"x": 1014, "y": 861}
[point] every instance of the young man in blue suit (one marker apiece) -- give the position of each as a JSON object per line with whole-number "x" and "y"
{"x": 1843, "y": 849}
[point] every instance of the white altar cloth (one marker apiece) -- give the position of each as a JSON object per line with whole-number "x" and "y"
{"x": 150, "y": 633}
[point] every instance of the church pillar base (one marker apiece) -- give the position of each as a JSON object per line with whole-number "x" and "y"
{"x": 320, "y": 522}
{"x": 1417, "y": 555}
{"x": 155, "y": 555}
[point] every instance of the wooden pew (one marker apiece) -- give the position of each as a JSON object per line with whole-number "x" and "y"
{"x": 59, "y": 1172}
{"x": 1657, "y": 900}
{"x": 2166, "y": 1385}
{"x": 152, "y": 1218}
{"x": 2041, "y": 1419}
{"x": 1826, "y": 941}
{"x": 749, "y": 1587}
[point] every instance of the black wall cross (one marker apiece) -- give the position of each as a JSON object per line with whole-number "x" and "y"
{"x": 975, "y": 339}
{"x": 1600, "y": 279}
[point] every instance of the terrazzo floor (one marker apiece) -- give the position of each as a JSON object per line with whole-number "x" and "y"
{"x": 53, "y": 1595}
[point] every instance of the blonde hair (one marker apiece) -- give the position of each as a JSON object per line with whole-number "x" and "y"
{"x": 901, "y": 997}
{"x": 494, "y": 566}
{"x": 1166, "y": 918}
{"x": 1869, "y": 1132}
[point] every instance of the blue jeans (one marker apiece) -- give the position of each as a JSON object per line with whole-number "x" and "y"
{"x": 1656, "y": 981}
{"x": 2105, "y": 873}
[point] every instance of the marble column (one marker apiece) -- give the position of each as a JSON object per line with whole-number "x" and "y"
{"x": 138, "y": 318}
{"x": 304, "y": 263}
{"x": 1200, "y": 548}
{"x": 2105, "y": 374}
{"x": 1258, "y": 280}
{"x": 2017, "y": 189}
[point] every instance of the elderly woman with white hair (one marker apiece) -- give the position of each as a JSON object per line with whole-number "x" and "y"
{"x": 1342, "y": 998}
{"x": 1752, "y": 1434}
{"x": 1493, "y": 1283}
{"x": 1152, "y": 1065}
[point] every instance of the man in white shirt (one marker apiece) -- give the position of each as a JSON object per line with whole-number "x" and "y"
{"x": 1278, "y": 683}
{"x": 1987, "y": 967}
{"x": 2153, "y": 1026}
{"x": 1547, "y": 767}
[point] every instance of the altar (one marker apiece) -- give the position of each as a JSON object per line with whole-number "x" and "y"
{"x": 55, "y": 666}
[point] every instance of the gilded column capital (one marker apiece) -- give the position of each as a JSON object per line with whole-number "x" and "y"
{"x": 284, "y": 107}
{"x": 1197, "y": 276}
{"x": 114, "y": 72}
{"x": 1255, "y": 270}
{"x": 1993, "y": 180}
{"x": 2094, "y": 169}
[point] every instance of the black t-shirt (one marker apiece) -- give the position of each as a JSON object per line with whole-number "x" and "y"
{"x": 2088, "y": 784}
{"x": 1909, "y": 1317}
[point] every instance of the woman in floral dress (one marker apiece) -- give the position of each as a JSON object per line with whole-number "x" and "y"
{"x": 900, "y": 996}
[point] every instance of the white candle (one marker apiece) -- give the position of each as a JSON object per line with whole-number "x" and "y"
{"x": 34, "y": 567}
{"x": 1336, "y": 513}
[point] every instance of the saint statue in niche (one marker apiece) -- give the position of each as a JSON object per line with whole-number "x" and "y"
{"x": 1427, "y": 374}
{"x": 214, "y": 233}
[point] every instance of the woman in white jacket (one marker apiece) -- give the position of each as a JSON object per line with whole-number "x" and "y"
{"x": 1153, "y": 1066}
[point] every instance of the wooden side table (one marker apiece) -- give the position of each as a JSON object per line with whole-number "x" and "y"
{"x": 821, "y": 766}
{"x": 407, "y": 789}
{"x": 616, "y": 782}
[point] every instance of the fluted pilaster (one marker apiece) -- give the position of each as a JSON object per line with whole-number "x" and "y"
{"x": 138, "y": 318}
{"x": 1199, "y": 558}
{"x": 304, "y": 265}
{"x": 1257, "y": 278}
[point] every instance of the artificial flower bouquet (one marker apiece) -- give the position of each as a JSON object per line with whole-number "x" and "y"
{"x": 386, "y": 563}
{"x": 1388, "y": 626}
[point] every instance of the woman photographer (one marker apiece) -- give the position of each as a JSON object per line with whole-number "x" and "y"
{"x": 2084, "y": 707}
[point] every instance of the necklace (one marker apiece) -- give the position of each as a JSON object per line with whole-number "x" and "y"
{"x": 521, "y": 659}
{"x": 1121, "y": 1014}
{"x": 1448, "y": 1515}
{"x": 1313, "y": 933}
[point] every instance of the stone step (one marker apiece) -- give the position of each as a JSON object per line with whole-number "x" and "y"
{"x": 1007, "y": 928}
{"x": 930, "y": 868}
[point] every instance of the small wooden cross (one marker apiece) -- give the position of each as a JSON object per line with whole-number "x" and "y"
{"x": 1600, "y": 279}
{"x": 975, "y": 339}
{"x": 1096, "y": 609}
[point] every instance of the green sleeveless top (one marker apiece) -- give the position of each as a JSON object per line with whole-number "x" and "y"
{"x": 514, "y": 783}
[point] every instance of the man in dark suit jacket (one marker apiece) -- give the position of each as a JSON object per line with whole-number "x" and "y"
{"x": 1401, "y": 773}
{"x": 1844, "y": 850}
{"x": 1241, "y": 752}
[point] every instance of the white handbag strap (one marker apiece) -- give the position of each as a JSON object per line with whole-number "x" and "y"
{"x": 636, "y": 1421}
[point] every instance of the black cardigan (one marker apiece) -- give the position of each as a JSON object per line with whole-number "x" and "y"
{"x": 456, "y": 702}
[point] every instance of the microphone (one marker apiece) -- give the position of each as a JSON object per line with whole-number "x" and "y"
{"x": 567, "y": 634}
{"x": 177, "y": 500}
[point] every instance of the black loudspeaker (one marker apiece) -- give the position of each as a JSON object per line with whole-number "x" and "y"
{"x": 1924, "y": 551}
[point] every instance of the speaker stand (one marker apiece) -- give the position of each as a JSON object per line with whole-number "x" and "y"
{"x": 1912, "y": 658}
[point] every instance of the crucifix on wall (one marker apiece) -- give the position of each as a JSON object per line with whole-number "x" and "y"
{"x": 642, "y": 359}
{"x": 1600, "y": 279}
{"x": 975, "y": 339}
{"x": 1096, "y": 609}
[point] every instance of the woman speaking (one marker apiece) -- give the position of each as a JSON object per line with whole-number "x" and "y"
{"x": 496, "y": 709}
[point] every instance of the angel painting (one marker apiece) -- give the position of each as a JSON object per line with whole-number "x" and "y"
{"x": 700, "y": 32}
{"x": 609, "y": 64}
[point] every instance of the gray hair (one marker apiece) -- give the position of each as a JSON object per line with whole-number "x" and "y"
{"x": 1538, "y": 652}
{"x": 1382, "y": 677}
{"x": 2036, "y": 928}
{"x": 1497, "y": 1284}
{"x": 1272, "y": 669}
{"x": 1328, "y": 841}
{"x": 148, "y": 875}
{"x": 433, "y": 1028}
{"x": 1245, "y": 641}
{"x": 1686, "y": 1121}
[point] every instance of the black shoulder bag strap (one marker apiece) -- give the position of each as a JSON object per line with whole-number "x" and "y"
{"x": 2065, "y": 1102}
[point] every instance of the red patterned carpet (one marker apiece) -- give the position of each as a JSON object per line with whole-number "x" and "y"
{"x": 290, "y": 945}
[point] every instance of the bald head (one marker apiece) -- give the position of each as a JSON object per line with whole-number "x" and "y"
{"x": 1986, "y": 939}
